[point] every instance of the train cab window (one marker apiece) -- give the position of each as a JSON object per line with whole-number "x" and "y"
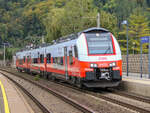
{"x": 48, "y": 57}
{"x": 99, "y": 43}
{"x": 42, "y": 58}
{"x": 70, "y": 58}
{"x": 76, "y": 51}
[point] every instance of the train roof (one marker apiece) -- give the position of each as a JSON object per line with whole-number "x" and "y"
{"x": 68, "y": 37}
{"x": 94, "y": 29}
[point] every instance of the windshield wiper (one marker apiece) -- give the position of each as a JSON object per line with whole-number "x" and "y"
{"x": 107, "y": 50}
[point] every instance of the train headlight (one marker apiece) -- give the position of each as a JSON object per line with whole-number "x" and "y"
{"x": 113, "y": 64}
{"x": 93, "y": 65}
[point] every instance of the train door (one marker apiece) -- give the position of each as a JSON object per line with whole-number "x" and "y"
{"x": 66, "y": 63}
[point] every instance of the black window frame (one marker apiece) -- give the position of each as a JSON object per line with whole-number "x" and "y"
{"x": 70, "y": 57}
{"x": 75, "y": 51}
{"x": 42, "y": 58}
{"x": 24, "y": 59}
{"x": 48, "y": 58}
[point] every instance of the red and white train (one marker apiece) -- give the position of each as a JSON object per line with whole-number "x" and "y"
{"x": 91, "y": 58}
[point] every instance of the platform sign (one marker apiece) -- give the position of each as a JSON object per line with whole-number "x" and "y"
{"x": 145, "y": 39}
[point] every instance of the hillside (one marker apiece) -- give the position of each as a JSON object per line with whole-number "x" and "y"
{"x": 23, "y": 22}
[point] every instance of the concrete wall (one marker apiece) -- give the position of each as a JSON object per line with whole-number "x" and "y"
{"x": 134, "y": 63}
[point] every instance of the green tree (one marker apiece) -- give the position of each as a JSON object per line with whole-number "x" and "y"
{"x": 138, "y": 27}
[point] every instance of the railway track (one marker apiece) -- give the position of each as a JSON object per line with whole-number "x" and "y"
{"x": 66, "y": 99}
{"x": 43, "y": 109}
{"x": 102, "y": 96}
{"x": 132, "y": 96}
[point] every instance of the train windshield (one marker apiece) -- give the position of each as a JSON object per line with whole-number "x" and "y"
{"x": 99, "y": 43}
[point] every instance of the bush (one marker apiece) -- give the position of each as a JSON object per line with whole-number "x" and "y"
{"x": 37, "y": 77}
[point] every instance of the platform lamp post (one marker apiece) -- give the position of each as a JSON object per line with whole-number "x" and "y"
{"x": 125, "y": 22}
{"x": 133, "y": 47}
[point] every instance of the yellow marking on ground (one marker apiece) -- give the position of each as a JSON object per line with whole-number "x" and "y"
{"x": 5, "y": 98}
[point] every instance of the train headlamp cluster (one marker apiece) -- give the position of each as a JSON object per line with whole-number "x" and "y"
{"x": 93, "y": 65}
{"x": 113, "y": 64}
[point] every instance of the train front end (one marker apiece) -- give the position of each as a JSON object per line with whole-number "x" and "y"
{"x": 100, "y": 58}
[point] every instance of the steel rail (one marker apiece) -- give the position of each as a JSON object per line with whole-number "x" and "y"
{"x": 119, "y": 102}
{"x": 132, "y": 96}
{"x": 66, "y": 99}
{"x": 98, "y": 95}
{"x": 43, "y": 109}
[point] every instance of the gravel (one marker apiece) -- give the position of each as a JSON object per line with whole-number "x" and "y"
{"x": 97, "y": 104}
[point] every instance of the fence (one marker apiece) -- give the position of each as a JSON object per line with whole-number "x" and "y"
{"x": 133, "y": 60}
{"x": 135, "y": 63}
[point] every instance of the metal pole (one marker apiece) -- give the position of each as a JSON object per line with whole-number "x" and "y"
{"x": 127, "y": 49}
{"x": 4, "y": 55}
{"x": 149, "y": 57}
{"x": 141, "y": 58}
{"x": 98, "y": 20}
{"x": 43, "y": 40}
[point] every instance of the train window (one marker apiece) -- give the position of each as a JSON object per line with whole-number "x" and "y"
{"x": 76, "y": 51}
{"x": 58, "y": 60}
{"x": 28, "y": 59}
{"x": 24, "y": 59}
{"x": 20, "y": 61}
{"x": 35, "y": 60}
{"x": 61, "y": 62}
{"x": 42, "y": 58}
{"x": 70, "y": 58}
{"x": 53, "y": 60}
{"x": 48, "y": 58}
{"x": 99, "y": 43}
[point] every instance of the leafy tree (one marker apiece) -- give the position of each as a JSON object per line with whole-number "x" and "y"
{"x": 138, "y": 27}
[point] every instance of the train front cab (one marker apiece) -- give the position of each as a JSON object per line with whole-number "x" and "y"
{"x": 100, "y": 59}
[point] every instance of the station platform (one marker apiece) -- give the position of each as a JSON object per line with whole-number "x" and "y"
{"x": 134, "y": 84}
{"x": 11, "y": 99}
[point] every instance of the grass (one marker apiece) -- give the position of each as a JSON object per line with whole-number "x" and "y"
{"x": 37, "y": 77}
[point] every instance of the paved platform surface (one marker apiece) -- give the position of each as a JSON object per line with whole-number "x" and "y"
{"x": 2, "y": 109}
{"x": 16, "y": 101}
{"x": 133, "y": 83}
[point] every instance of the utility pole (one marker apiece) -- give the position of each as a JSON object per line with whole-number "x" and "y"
{"x": 4, "y": 56}
{"x": 126, "y": 23}
{"x": 43, "y": 40}
{"x": 98, "y": 20}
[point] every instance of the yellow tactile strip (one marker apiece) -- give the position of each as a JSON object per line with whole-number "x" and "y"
{"x": 4, "y": 98}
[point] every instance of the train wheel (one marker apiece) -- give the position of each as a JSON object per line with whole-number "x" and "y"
{"x": 53, "y": 78}
{"x": 73, "y": 80}
{"x": 20, "y": 70}
{"x": 79, "y": 83}
{"x": 45, "y": 75}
